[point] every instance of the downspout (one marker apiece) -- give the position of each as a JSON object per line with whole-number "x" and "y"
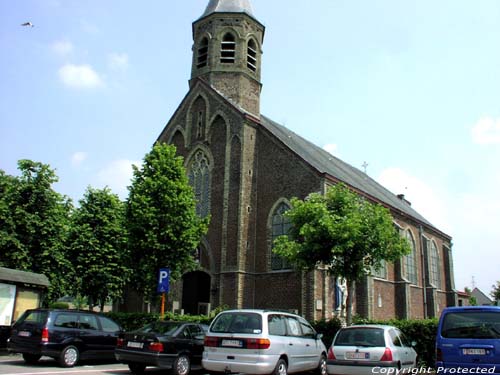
{"x": 424, "y": 267}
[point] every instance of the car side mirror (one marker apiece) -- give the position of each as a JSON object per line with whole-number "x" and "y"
{"x": 319, "y": 336}
{"x": 413, "y": 344}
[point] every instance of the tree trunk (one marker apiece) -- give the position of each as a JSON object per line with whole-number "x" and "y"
{"x": 351, "y": 288}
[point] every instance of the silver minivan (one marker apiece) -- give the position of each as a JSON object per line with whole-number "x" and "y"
{"x": 263, "y": 342}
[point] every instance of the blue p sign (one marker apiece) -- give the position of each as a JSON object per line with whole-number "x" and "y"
{"x": 163, "y": 280}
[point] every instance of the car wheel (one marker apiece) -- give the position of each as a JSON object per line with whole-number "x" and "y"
{"x": 281, "y": 368}
{"x": 321, "y": 370}
{"x": 31, "y": 359}
{"x": 69, "y": 356}
{"x": 182, "y": 365}
{"x": 136, "y": 368}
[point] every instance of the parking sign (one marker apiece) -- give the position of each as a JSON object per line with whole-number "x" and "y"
{"x": 163, "y": 280}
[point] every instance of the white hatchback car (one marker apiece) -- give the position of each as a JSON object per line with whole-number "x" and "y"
{"x": 262, "y": 342}
{"x": 369, "y": 349}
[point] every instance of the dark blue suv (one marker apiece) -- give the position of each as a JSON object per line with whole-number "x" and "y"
{"x": 469, "y": 338}
{"x": 66, "y": 335}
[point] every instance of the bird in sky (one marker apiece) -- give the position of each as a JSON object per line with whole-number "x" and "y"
{"x": 29, "y": 24}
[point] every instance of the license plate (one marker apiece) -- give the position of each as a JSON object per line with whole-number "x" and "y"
{"x": 24, "y": 333}
{"x": 232, "y": 343}
{"x": 357, "y": 355}
{"x": 133, "y": 344}
{"x": 474, "y": 351}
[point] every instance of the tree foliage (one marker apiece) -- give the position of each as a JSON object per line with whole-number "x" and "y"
{"x": 164, "y": 230}
{"x": 34, "y": 223}
{"x": 98, "y": 247}
{"x": 342, "y": 231}
{"x": 495, "y": 292}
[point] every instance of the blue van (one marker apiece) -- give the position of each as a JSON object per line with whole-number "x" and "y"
{"x": 468, "y": 337}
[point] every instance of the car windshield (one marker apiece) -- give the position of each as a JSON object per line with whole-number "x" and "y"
{"x": 369, "y": 337}
{"x": 238, "y": 323}
{"x": 471, "y": 325}
{"x": 161, "y": 328}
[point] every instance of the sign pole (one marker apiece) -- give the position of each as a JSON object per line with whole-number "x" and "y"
{"x": 162, "y": 305}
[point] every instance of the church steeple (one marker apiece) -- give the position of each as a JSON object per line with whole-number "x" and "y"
{"x": 227, "y": 52}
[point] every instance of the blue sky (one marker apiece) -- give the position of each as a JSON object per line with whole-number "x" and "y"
{"x": 410, "y": 87}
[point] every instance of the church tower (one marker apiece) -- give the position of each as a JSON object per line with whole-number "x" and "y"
{"x": 227, "y": 52}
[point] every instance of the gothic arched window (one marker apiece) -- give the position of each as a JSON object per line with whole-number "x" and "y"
{"x": 435, "y": 275}
{"x": 202, "y": 53}
{"x": 228, "y": 49}
{"x": 280, "y": 225}
{"x": 410, "y": 260}
{"x": 252, "y": 55}
{"x": 199, "y": 178}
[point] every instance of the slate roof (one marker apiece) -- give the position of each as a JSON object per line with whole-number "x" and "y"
{"x": 228, "y": 6}
{"x": 328, "y": 164}
{"x": 7, "y": 274}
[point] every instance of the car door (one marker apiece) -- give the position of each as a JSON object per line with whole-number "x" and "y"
{"x": 409, "y": 353}
{"x": 109, "y": 334}
{"x": 197, "y": 338}
{"x": 90, "y": 335}
{"x": 297, "y": 349}
{"x": 313, "y": 348}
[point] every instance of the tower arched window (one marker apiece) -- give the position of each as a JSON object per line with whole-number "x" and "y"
{"x": 435, "y": 275}
{"x": 199, "y": 178}
{"x": 228, "y": 49}
{"x": 202, "y": 54}
{"x": 410, "y": 260}
{"x": 252, "y": 55}
{"x": 280, "y": 225}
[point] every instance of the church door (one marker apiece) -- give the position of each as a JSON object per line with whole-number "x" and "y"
{"x": 195, "y": 292}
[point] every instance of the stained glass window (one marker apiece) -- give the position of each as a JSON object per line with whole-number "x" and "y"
{"x": 199, "y": 178}
{"x": 434, "y": 258}
{"x": 410, "y": 260}
{"x": 280, "y": 225}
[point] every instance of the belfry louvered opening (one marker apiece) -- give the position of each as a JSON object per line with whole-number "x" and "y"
{"x": 228, "y": 49}
{"x": 252, "y": 55}
{"x": 202, "y": 53}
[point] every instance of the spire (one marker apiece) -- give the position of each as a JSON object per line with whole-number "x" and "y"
{"x": 229, "y": 6}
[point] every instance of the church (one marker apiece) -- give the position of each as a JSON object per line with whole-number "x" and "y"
{"x": 245, "y": 168}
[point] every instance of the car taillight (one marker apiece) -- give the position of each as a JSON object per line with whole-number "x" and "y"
{"x": 120, "y": 342}
{"x": 45, "y": 334}
{"x": 211, "y": 341}
{"x": 387, "y": 357}
{"x": 331, "y": 355}
{"x": 156, "y": 347}
{"x": 439, "y": 355}
{"x": 258, "y": 344}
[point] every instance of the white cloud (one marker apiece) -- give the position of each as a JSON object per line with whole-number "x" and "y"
{"x": 424, "y": 199}
{"x": 80, "y": 76}
{"x": 78, "y": 158}
{"x": 117, "y": 175}
{"x": 332, "y": 149}
{"x": 486, "y": 131}
{"x": 62, "y": 47}
{"x": 118, "y": 61}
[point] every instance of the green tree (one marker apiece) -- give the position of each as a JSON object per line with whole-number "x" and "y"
{"x": 35, "y": 223}
{"x": 344, "y": 232}
{"x": 164, "y": 230}
{"x": 495, "y": 293}
{"x": 98, "y": 245}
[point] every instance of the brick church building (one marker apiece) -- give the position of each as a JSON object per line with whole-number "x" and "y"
{"x": 245, "y": 168}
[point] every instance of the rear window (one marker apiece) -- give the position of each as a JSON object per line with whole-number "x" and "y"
{"x": 237, "y": 323}
{"x": 471, "y": 325}
{"x": 35, "y": 317}
{"x": 369, "y": 337}
{"x": 162, "y": 328}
